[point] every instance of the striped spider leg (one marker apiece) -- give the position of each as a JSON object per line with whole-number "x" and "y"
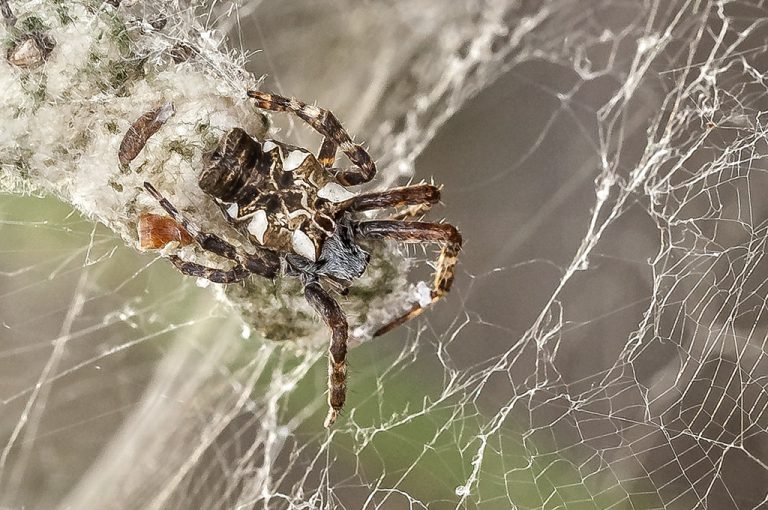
{"x": 325, "y": 123}
{"x": 418, "y": 198}
{"x": 327, "y": 307}
{"x": 418, "y": 232}
{"x": 336, "y": 320}
{"x": 326, "y": 156}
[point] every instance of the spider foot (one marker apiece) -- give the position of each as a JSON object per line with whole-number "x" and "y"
{"x": 332, "y": 314}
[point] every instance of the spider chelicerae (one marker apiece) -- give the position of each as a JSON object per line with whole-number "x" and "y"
{"x": 301, "y": 222}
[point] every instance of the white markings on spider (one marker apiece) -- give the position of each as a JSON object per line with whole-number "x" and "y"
{"x": 268, "y": 146}
{"x": 303, "y": 245}
{"x": 334, "y": 192}
{"x": 233, "y": 210}
{"x": 258, "y": 225}
{"x": 294, "y": 160}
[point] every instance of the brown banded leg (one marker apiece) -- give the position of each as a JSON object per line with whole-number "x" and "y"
{"x": 325, "y": 123}
{"x": 327, "y": 153}
{"x": 334, "y": 318}
{"x": 418, "y": 195}
{"x": 236, "y": 274}
{"x": 418, "y": 232}
{"x": 263, "y": 262}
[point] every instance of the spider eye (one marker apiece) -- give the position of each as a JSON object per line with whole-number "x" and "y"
{"x": 229, "y": 169}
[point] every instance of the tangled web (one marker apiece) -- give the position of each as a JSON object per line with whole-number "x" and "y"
{"x": 604, "y": 347}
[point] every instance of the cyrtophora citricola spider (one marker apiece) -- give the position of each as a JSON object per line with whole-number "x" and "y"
{"x": 100, "y": 98}
{"x": 299, "y": 219}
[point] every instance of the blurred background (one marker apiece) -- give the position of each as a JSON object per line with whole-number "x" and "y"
{"x": 604, "y": 344}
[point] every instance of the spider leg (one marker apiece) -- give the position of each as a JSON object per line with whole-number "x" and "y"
{"x": 237, "y": 274}
{"x": 412, "y": 211}
{"x": 327, "y": 153}
{"x": 418, "y": 232}
{"x": 419, "y": 198}
{"x": 263, "y": 262}
{"x": 334, "y": 317}
{"x": 325, "y": 123}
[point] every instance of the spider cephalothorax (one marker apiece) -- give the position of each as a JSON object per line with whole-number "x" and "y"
{"x": 273, "y": 192}
{"x": 300, "y": 220}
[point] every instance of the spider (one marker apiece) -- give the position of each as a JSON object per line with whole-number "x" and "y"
{"x": 300, "y": 219}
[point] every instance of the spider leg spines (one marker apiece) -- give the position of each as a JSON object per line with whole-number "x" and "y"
{"x": 422, "y": 196}
{"x": 411, "y": 232}
{"x": 417, "y": 232}
{"x": 325, "y": 123}
{"x": 334, "y": 317}
{"x": 412, "y": 211}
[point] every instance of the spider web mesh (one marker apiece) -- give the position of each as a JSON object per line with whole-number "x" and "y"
{"x": 604, "y": 346}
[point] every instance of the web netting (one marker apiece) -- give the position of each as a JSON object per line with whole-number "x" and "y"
{"x": 604, "y": 345}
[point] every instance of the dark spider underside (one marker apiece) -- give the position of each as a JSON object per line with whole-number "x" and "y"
{"x": 273, "y": 193}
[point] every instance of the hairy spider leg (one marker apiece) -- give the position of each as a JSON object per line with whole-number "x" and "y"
{"x": 334, "y": 318}
{"x": 411, "y": 212}
{"x": 263, "y": 262}
{"x": 325, "y": 123}
{"x": 416, "y": 210}
{"x": 418, "y": 197}
{"x": 418, "y": 232}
